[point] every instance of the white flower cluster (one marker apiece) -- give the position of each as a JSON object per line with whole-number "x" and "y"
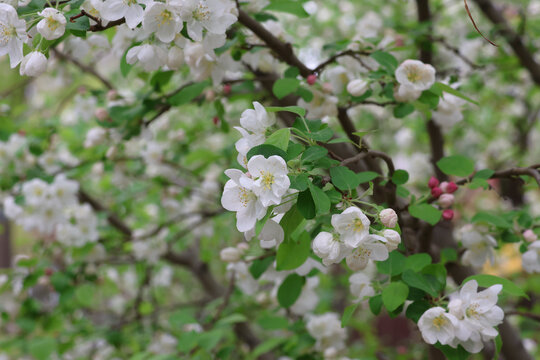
{"x": 531, "y": 257}
{"x": 413, "y": 77}
{"x": 470, "y": 320}
{"x": 53, "y": 210}
{"x": 353, "y": 240}
{"x": 327, "y": 330}
{"x": 206, "y": 22}
{"x": 266, "y": 181}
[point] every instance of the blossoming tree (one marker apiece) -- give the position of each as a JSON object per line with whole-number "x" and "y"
{"x": 271, "y": 179}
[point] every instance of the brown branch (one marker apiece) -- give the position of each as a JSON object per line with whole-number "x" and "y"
{"x": 83, "y": 67}
{"x": 373, "y": 153}
{"x": 333, "y": 58}
{"x": 529, "y": 315}
{"x": 114, "y": 220}
{"x": 509, "y": 173}
{"x": 526, "y": 58}
{"x": 474, "y": 24}
{"x": 281, "y": 49}
{"x": 458, "y": 53}
{"x": 99, "y": 27}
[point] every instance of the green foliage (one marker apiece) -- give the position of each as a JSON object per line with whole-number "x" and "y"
{"x": 457, "y": 165}
{"x": 426, "y": 212}
{"x": 394, "y": 295}
{"x": 509, "y": 287}
{"x": 290, "y": 290}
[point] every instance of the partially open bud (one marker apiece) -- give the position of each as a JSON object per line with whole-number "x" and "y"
{"x": 33, "y": 64}
{"x": 311, "y": 79}
{"x": 393, "y": 239}
{"x": 101, "y": 113}
{"x": 446, "y": 200}
{"x": 530, "y": 236}
{"x": 230, "y": 254}
{"x": 448, "y": 214}
{"x": 436, "y": 192}
{"x": 388, "y": 217}
{"x": 357, "y": 87}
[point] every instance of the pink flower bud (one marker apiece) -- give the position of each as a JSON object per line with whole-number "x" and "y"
{"x": 530, "y": 236}
{"x": 102, "y": 114}
{"x": 226, "y": 89}
{"x": 448, "y": 214}
{"x": 433, "y": 182}
{"x": 436, "y": 192}
{"x": 444, "y": 186}
{"x": 451, "y": 187}
{"x": 112, "y": 95}
{"x": 388, "y": 217}
{"x": 393, "y": 239}
{"x": 446, "y": 200}
{"x": 215, "y": 120}
{"x": 311, "y": 79}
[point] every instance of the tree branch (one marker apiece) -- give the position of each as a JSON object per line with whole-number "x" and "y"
{"x": 85, "y": 68}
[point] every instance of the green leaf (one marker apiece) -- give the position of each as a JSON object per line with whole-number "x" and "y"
{"x": 306, "y": 205}
{"x": 457, "y": 165}
{"x": 266, "y": 150}
{"x": 484, "y": 174}
{"x": 321, "y": 200}
{"x": 429, "y": 98}
{"x": 421, "y": 282}
{"x": 375, "y": 304}
{"x": 448, "y": 255}
{"x": 394, "y": 295}
{"x": 265, "y": 347}
{"x": 161, "y": 78}
{"x": 343, "y": 178}
{"x": 509, "y": 287}
{"x": 188, "y": 93}
{"x": 299, "y": 182}
{"x": 365, "y": 176}
{"x": 416, "y": 309}
{"x": 292, "y": 254}
{"x": 284, "y": 87}
{"x": 498, "y": 346}
{"x": 451, "y": 90}
{"x": 232, "y": 319}
{"x": 491, "y": 219}
{"x": 394, "y": 265}
{"x": 80, "y": 24}
{"x": 417, "y": 262}
{"x": 453, "y": 354}
{"x": 347, "y": 314}
{"x": 42, "y": 348}
{"x": 259, "y": 266}
{"x": 280, "y": 139}
{"x": 85, "y": 294}
{"x": 294, "y": 109}
{"x": 314, "y": 153}
{"x": 403, "y": 109}
{"x": 288, "y": 6}
{"x": 400, "y": 177}
{"x": 271, "y": 322}
{"x": 290, "y": 289}
{"x": 387, "y": 60}
{"x": 426, "y": 212}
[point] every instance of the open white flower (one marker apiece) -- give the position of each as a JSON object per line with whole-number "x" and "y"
{"x": 437, "y": 325}
{"x": 271, "y": 235}
{"x": 531, "y": 258}
{"x": 257, "y": 120}
{"x": 352, "y": 225}
{"x": 270, "y": 181}
{"x": 238, "y": 198}
{"x": 245, "y": 144}
{"x": 130, "y": 10}
{"x": 150, "y": 57}
{"x": 328, "y": 248}
{"x": 415, "y": 74}
{"x": 12, "y": 34}
{"x": 212, "y": 15}
{"x": 162, "y": 19}
{"x": 405, "y": 93}
{"x": 53, "y": 24}
{"x": 361, "y": 286}
{"x": 477, "y": 315}
{"x": 33, "y": 64}
{"x": 480, "y": 248}
{"x": 372, "y": 247}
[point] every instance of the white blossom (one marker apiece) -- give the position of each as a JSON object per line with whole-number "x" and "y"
{"x": 480, "y": 248}
{"x": 130, "y": 10}
{"x": 437, "y": 325}
{"x": 372, "y": 247}
{"x": 393, "y": 239}
{"x": 258, "y": 120}
{"x": 531, "y": 258}
{"x": 53, "y": 24}
{"x": 33, "y": 64}
{"x": 357, "y": 87}
{"x": 328, "y": 248}
{"x": 269, "y": 178}
{"x": 163, "y": 20}
{"x": 415, "y": 74}
{"x": 352, "y": 225}
{"x": 360, "y": 286}
{"x": 388, "y": 217}
{"x": 12, "y": 34}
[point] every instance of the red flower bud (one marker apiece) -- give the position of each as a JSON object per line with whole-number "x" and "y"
{"x": 448, "y": 214}
{"x": 433, "y": 182}
{"x": 49, "y": 271}
{"x": 215, "y": 120}
{"x": 311, "y": 79}
{"x": 436, "y": 192}
{"x": 451, "y": 187}
{"x": 226, "y": 89}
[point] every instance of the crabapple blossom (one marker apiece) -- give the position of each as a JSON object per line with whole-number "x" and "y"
{"x": 531, "y": 258}
{"x": 372, "y": 247}
{"x": 437, "y": 325}
{"x": 446, "y": 200}
{"x": 357, "y": 87}
{"x": 352, "y": 225}
{"x": 163, "y": 20}
{"x": 415, "y": 75}
{"x": 530, "y": 236}
{"x": 329, "y": 248}
{"x": 53, "y": 24}
{"x": 130, "y": 10}
{"x": 12, "y": 34}
{"x": 269, "y": 179}
{"x": 479, "y": 247}
{"x": 256, "y": 120}
{"x": 360, "y": 286}
{"x": 393, "y": 239}
{"x": 230, "y": 254}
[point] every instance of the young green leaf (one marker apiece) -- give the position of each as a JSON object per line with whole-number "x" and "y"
{"x": 394, "y": 295}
